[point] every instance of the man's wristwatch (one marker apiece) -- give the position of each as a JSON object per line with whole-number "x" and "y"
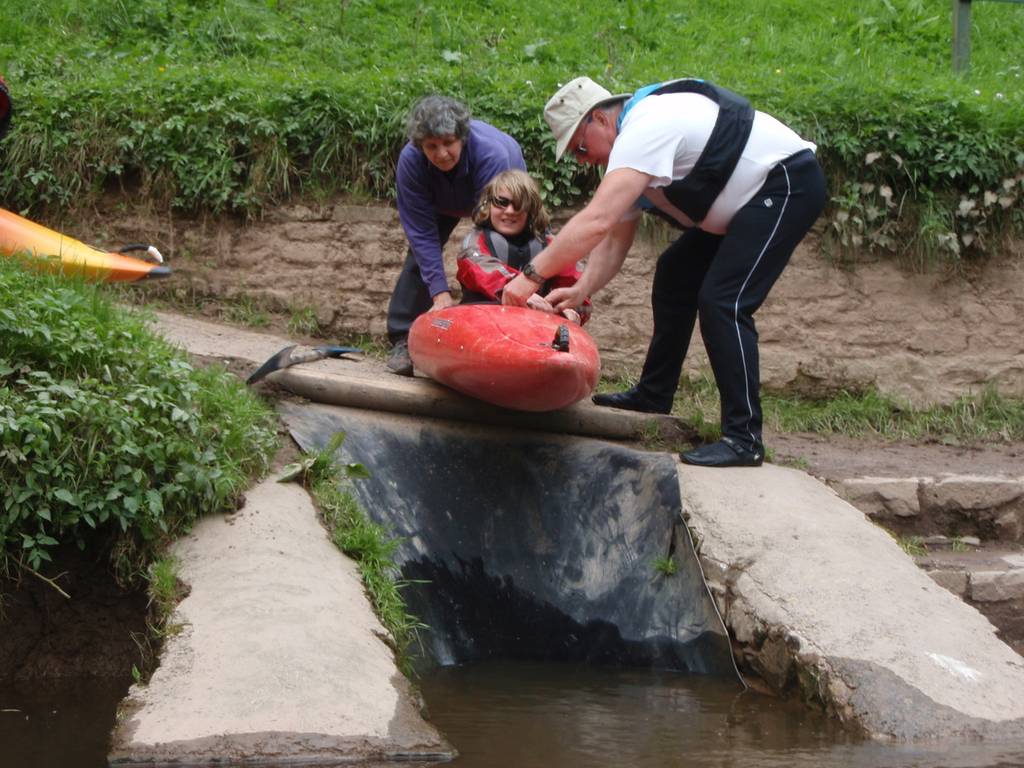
{"x": 532, "y": 274}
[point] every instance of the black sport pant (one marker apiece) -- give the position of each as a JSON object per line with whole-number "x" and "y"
{"x": 724, "y": 279}
{"x": 410, "y": 299}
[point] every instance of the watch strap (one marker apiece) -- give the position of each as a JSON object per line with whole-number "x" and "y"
{"x": 532, "y": 274}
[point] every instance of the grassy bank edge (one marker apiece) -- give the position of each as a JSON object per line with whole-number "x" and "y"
{"x": 987, "y": 416}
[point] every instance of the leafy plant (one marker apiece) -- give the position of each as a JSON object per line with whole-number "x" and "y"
{"x": 106, "y": 432}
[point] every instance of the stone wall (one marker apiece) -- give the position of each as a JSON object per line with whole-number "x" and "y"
{"x": 926, "y": 338}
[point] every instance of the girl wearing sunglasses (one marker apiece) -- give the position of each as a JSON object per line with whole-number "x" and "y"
{"x": 510, "y": 228}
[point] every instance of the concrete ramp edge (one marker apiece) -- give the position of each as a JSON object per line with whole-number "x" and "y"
{"x": 821, "y": 600}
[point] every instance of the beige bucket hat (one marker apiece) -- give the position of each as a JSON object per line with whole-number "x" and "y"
{"x": 570, "y": 105}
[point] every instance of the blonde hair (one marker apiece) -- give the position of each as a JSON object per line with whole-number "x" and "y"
{"x": 525, "y": 195}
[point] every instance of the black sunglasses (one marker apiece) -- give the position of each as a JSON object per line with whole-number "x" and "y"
{"x": 503, "y": 202}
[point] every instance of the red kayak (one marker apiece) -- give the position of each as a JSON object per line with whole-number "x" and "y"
{"x": 509, "y": 356}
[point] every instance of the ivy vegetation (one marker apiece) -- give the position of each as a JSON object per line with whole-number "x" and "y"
{"x": 109, "y": 437}
{"x": 234, "y": 105}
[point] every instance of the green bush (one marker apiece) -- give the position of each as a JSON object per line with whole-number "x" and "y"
{"x": 106, "y": 430}
{"x": 236, "y": 104}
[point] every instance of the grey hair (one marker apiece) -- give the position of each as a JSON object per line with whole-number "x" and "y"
{"x": 437, "y": 116}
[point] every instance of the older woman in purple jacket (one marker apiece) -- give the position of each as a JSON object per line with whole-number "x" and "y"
{"x": 442, "y": 170}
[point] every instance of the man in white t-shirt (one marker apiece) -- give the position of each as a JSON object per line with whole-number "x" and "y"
{"x": 742, "y": 186}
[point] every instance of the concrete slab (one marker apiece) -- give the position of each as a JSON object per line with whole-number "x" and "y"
{"x": 200, "y": 337}
{"x": 280, "y": 657}
{"x": 825, "y": 600}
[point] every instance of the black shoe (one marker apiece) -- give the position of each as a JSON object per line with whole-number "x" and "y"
{"x": 399, "y": 361}
{"x": 632, "y": 400}
{"x": 724, "y": 453}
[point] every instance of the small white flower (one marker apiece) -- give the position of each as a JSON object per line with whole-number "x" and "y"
{"x": 1000, "y": 96}
{"x": 977, "y": 92}
{"x": 871, "y": 157}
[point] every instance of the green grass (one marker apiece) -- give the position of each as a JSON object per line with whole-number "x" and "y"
{"x": 109, "y": 438}
{"x": 664, "y": 566}
{"x": 302, "y": 320}
{"x": 972, "y": 418}
{"x": 165, "y": 590}
{"x": 237, "y": 104}
{"x": 986, "y": 417}
{"x": 912, "y": 545}
{"x": 245, "y": 310}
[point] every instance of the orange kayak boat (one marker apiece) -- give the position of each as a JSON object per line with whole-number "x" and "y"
{"x": 510, "y": 356}
{"x": 56, "y": 252}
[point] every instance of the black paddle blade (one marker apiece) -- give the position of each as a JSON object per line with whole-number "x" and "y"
{"x": 288, "y": 357}
{"x": 278, "y": 361}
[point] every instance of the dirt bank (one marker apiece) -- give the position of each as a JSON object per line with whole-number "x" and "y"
{"x": 99, "y": 630}
{"x": 926, "y": 338}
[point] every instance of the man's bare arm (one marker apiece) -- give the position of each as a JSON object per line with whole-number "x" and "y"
{"x": 585, "y": 231}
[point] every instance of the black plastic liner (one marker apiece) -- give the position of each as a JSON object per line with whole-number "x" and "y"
{"x": 531, "y": 546}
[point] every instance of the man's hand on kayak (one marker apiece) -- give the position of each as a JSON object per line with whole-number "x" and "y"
{"x": 518, "y": 291}
{"x": 539, "y": 303}
{"x": 569, "y": 297}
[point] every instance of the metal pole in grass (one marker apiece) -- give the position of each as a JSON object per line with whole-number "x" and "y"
{"x": 961, "y": 35}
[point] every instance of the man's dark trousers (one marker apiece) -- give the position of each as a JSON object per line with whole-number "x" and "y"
{"x": 724, "y": 279}
{"x": 411, "y": 298}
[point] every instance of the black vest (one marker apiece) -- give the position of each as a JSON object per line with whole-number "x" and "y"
{"x": 695, "y": 193}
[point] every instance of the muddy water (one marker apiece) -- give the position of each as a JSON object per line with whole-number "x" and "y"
{"x": 533, "y": 715}
{"x": 58, "y": 723}
{"x": 541, "y": 715}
